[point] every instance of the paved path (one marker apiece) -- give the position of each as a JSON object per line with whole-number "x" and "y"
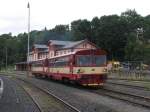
{"x": 15, "y": 99}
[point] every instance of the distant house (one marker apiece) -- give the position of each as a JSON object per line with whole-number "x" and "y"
{"x": 58, "y": 48}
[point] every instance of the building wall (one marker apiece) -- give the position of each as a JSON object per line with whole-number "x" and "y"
{"x": 42, "y": 55}
{"x": 81, "y": 46}
{"x": 30, "y": 57}
{"x": 35, "y": 55}
{"x": 62, "y": 52}
{"x": 52, "y": 52}
{"x": 84, "y": 46}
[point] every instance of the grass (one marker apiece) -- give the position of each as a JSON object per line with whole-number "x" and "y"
{"x": 9, "y": 68}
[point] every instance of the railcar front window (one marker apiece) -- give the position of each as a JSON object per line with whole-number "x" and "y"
{"x": 84, "y": 60}
{"x": 100, "y": 60}
{"x": 91, "y": 60}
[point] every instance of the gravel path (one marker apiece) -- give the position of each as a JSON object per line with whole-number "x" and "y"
{"x": 15, "y": 99}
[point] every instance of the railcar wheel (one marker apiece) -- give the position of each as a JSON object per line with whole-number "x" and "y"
{"x": 51, "y": 77}
{"x": 73, "y": 82}
{"x": 65, "y": 80}
{"x": 45, "y": 76}
{"x": 34, "y": 74}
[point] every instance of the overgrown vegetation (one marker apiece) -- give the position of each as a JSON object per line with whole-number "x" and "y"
{"x": 116, "y": 34}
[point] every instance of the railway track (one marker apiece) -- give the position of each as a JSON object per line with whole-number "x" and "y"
{"x": 35, "y": 102}
{"x": 128, "y": 85}
{"x": 145, "y": 80}
{"x": 130, "y": 98}
{"x": 59, "y": 100}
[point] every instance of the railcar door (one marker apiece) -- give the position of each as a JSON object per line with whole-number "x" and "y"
{"x": 45, "y": 67}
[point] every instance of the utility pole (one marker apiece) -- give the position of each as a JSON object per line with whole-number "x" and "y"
{"x": 6, "y": 59}
{"x": 28, "y": 38}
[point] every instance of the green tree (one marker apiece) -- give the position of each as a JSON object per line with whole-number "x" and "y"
{"x": 133, "y": 20}
{"x": 111, "y": 35}
{"x": 134, "y": 49}
{"x": 61, "y": 29}
{"x": 81, "y": 29}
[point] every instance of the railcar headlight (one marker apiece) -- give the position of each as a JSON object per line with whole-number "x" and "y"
{"x": 80, "y": 71}
{"x": 105, "y": 70}
{"x": 93, "y": 69}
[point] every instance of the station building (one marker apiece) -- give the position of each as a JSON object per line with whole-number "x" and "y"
{"x": 55, "y": 48}
{"x": 58, "y": 48}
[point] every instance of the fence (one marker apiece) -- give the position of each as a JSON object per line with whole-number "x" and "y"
{"x": 131, "y": 70}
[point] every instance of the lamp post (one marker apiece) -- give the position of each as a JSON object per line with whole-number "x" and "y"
{"x": 6, "y": 60}
{"x": 28, "y": 6}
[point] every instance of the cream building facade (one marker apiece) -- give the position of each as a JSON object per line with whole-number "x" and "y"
{"x": 58, "y": 48}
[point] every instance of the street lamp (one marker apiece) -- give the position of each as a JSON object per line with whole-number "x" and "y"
{"x": 28, "y": 6}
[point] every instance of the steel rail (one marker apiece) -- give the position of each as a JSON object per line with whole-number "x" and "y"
{"x": 108, "y": 92}
{"x": 35, "y": 102}
{"x": 129, "y": 85}
{"x": 51, "y": 94}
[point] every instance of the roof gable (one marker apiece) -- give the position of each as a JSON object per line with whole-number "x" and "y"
{"x": 40, "y": 46}
{"x": 68, "y": 44}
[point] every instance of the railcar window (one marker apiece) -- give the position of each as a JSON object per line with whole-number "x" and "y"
{"x": 83, "y": 60}
{"x": 90, "y": 60}
{"x": 60, "y": 63}
{"x": 46, "y": 63}
{"x": 51, "y": 64}
{"x": 37, "y": 64}
{"x": 100, "y": 60}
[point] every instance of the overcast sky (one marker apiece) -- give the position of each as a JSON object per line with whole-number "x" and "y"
{"x": 48, "y": 13}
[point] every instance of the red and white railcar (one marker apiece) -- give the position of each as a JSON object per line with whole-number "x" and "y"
{"x": 86, "y": 67}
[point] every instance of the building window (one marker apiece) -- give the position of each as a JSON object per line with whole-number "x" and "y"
{"x": 72, "y": 50}
{"x": 60, "y": 52}
{"x": 56, "y": 53}
{"x": 51, "y": 54}
{"x": 84, "y": 45}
